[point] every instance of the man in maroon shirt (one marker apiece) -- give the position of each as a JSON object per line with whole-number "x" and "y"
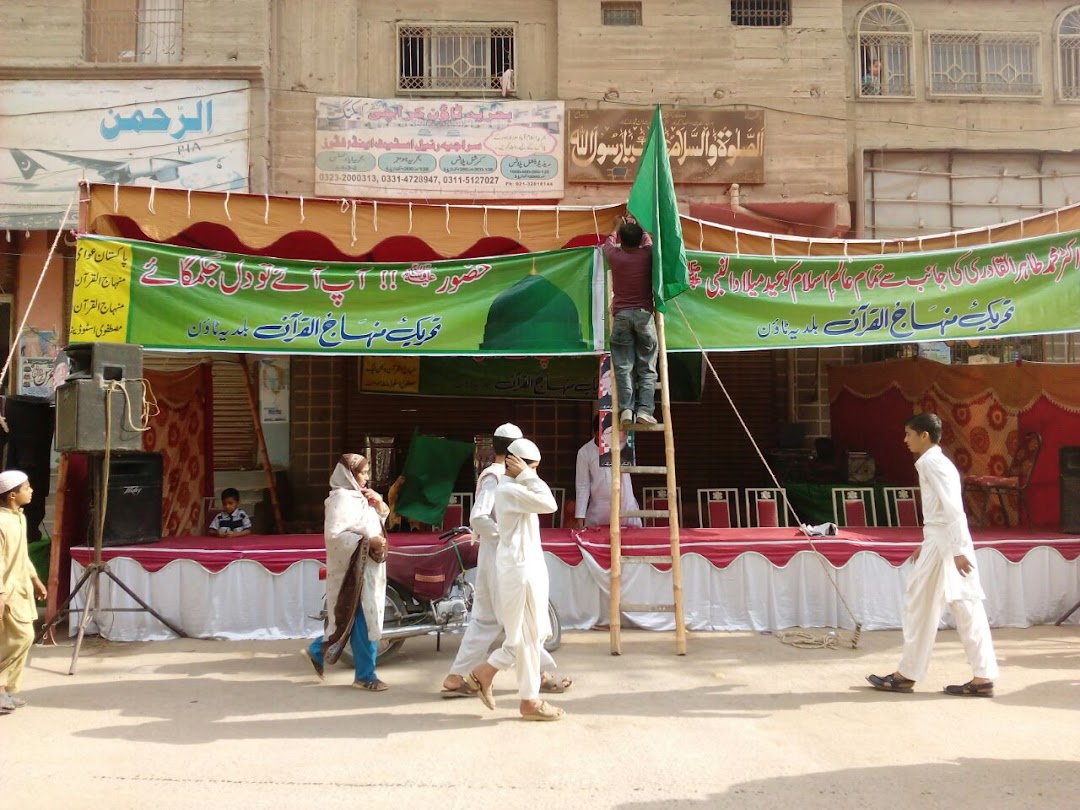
{"x": 633, "y": 332}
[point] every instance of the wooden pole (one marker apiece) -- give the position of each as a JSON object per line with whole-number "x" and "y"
{"x": 253, "y": 404}
{"x": 672, "y": 488}
{"x": 56, "y": 548}
{"x": 615, "y": 609}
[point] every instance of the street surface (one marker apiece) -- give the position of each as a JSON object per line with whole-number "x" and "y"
{"x": 742, "y": 721}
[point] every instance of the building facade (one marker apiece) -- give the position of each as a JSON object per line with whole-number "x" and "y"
{"x": 841, "y": 118}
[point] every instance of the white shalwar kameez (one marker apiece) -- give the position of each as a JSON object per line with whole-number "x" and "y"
{"x": 935, "y": 581}
{"x": 522, "y": 576}
{"x": 484, "y": 625}
{"x": 349, "y": 518}
{"x": 593, "y": 490}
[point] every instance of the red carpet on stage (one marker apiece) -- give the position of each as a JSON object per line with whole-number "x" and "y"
{"x": 719, "y": 546}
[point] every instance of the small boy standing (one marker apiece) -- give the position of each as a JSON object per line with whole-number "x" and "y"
{"x": 232, "y": 521}
{"x": 19, "y": 584}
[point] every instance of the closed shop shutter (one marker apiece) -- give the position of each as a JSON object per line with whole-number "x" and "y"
{"x": 234, "y": 433}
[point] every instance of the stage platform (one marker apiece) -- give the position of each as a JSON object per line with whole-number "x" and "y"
{"x": 265, "y": 587}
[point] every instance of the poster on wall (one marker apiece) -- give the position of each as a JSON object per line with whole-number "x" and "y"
{"x": 438, "y": 149}
{"x": 704, "y": 145}
{"x": 169, "y": 133}
{"x": 274, "y": 389}
{"x": 37, "y": 359}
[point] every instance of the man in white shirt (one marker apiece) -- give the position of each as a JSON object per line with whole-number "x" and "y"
{"x": 592, "y": 505}
{"x": 944, "y": 574}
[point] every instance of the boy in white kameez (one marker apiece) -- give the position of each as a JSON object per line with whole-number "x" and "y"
{"x": 18, "y": 586}
{"x": 944, "y": 574}
{"x": 522, "y": 583}
{"x": 484, "y": 626}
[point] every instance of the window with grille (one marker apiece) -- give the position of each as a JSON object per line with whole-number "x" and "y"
{"x": 620, "y": 13}
{"x": 885, "y": 65}
{"x": 971, "y": 64}
{"x": 761, "y": 12}
{"x": 456, "y": 58}
{"x": 148, "y": 31}
{"x": 1068, "y": 52}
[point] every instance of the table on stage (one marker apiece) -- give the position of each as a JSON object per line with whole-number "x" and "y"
{"x": 264, "y": 587}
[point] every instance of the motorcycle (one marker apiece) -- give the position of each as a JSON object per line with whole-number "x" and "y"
{"x": 427, "y": 591}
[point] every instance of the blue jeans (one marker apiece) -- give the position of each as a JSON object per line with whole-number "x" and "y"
{"x": 363, "y": 650}
{"x": 633, "y": 356}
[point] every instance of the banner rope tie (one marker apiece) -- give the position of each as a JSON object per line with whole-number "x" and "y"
{"x": 150, "y": 203}
{"x": 375, "y": 215}
{"x": 115, "y": 197}
{"x": 189, "y": 203}
{"x": 301, "y": 210}
{"x": 227, "y": 214}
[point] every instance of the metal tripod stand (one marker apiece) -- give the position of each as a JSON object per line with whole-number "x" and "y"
{"x": 91, "y": 577}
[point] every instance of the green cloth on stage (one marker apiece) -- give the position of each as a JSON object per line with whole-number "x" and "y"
{"x": 814, "y": 502}
{"x": 431, "y": 469}
{"x": 39, "y": 556}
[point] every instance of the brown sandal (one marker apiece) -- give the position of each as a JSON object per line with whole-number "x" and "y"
{"x": 971, "y": 689}
{"x": 552, "y": 685}
{"x": 486, "y": 696}
{"x": 545, "y": 711}
{"x": 890, "y": 683}
{"x": 371, "y": 686}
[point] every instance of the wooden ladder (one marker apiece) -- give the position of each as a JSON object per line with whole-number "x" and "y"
{"x": 672, "y": 514}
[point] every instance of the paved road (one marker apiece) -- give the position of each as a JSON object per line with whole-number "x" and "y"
{"x": 743, "y": 721}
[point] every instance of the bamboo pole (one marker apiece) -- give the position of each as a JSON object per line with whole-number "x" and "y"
{"x": 672, "y": 488}
{"x": 253, "y": 404}
{"x": 56, "y": 549}
{"x": 615, "y": 609}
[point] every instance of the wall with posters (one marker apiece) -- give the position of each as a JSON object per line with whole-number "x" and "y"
{"x": 172, "y": 133}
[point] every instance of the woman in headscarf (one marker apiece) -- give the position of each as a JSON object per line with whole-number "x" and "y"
{"x": 355, "y": 573}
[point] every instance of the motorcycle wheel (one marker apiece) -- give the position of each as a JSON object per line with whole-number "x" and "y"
{"x": 395, "y": 611}
{"x": 555, "y": 641}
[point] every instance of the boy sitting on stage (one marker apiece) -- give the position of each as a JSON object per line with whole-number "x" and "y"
{"x": 233, "y": 521}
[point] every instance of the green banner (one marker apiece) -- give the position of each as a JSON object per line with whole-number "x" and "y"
{"x": 1026, "y": 287}
{"x": 166, "y": 297}
{"x": 511, "y": 377}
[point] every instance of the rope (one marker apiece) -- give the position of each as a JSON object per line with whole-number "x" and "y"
{"x": 757, "y": 449}
{"x": 33, "y": 297}
{"x": 808, "y": 640}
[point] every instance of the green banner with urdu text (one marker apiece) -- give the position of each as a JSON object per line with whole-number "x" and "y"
{"x": 166, "y": 297}
{"x": 1025, "y": 287}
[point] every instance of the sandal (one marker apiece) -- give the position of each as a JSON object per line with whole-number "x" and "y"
{"x": 555, "y": 686}
{"x": 545, "y": 711}
{"x": 485, "y": 694}
{"x": 971, "y": 689}
{"x": 371, "y": 686}
{"x": 462, "y": 691}
{"x": 890, "y": 683}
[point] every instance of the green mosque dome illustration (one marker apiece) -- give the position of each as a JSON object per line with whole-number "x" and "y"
{"x": 533, "y": 315}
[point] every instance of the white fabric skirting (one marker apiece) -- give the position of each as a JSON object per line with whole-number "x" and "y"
{"x": 246, "y": 601}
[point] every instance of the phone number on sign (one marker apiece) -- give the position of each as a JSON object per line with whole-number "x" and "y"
{"x": 392, "y": 179}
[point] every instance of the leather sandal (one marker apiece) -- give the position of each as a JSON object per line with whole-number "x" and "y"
{"x": 971, "y": 689}
{"x": 890, "y": 683}
{"x": 545, "y": 711}
{"x": 487, "y": 697}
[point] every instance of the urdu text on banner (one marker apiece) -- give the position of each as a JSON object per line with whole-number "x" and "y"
{"x": 438, "y": 149}
{"x": 166, "y": 297}
{"x": 1025, "y": 287}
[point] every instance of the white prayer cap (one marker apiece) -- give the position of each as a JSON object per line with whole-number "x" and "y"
{"x": 525, "y": 450}
{"x": 11, "y": 479}
{"x": 508, "y": 431}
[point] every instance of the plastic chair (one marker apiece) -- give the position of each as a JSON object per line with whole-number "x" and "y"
{"x": 1015, "y": 481}
{"x": 718, "y": 509}
{"x": 766, "y": 507}
{"x": 902, "y": 507}
{"x": 854, "y": 507}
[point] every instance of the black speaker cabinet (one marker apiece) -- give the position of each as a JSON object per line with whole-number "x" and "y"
{"x": 81, "y": 416}
{"x": 1069, "y": 459}
{"x": 104, "y": 361}
{"x": 133, "y": 499}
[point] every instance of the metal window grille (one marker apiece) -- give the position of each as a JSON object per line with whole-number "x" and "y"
{"x": 1069, "y": 55}
{"x": 761, "y": 13}
{"x": 620, "y": 13}
{"x": 454, "y": 58}
{"x": 149, "y": 31}
{"x": 885, "y": 66}
{"x": 972, "y": 64}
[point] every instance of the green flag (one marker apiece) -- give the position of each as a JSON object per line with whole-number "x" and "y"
{"x": 652, "y": 202}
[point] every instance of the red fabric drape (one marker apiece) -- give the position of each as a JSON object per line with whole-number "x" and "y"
{"x": 1058, "y": 427}
{"x": 179, "y": 432}
{"x": 877, "y": 426}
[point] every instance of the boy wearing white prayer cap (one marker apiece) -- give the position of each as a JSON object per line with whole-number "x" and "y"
{"x": 522, "y": 591}
{"x": 19, "y": 584}
{"x": 484, "y": 626}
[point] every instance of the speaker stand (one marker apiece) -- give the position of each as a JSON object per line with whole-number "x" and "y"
{"x": 91, "y": 581}
{"x": 1066, "y": 616}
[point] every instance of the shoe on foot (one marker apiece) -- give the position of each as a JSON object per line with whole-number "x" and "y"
{"x": 7, "y": 703}
{"x": 16, "y": 701}
{"x": 890, "y": 683}
{"x": 646, "y": 418}
{"x": 971, "y": 689}
{"x": 315, "y": 665}
{"x": 626, "y": 418}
